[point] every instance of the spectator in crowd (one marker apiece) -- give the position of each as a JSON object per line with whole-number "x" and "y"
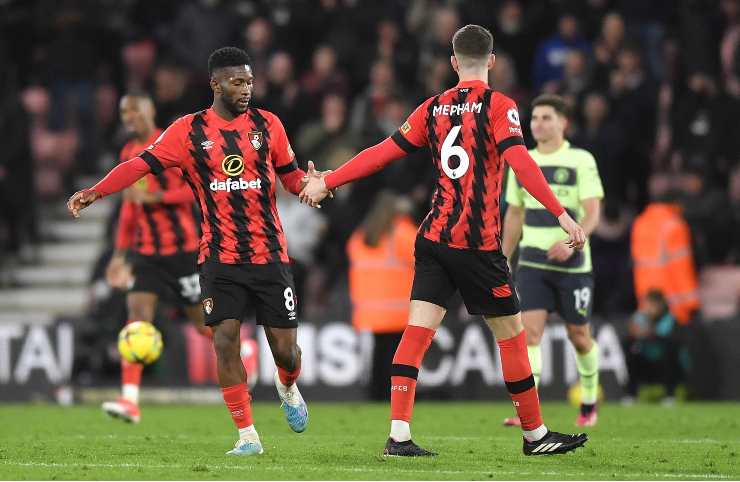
{"x": 371, "y": 104}
{"x": 139, "y": 58}
{"x": 200, "y": 27}
{"x": 514, "y": 37}
{"x": 576, "y": 77}
{"x": 392, "y": 47}
{"x": 258, "y": 42}
{"x": 703, "y": 207}
{"x": 601, "y": 136}
{"x": 661, "y": 253}
{"x": 321, "y": 140}
{"x": 323, "y": 78}
{"x": 607, "y": 47}
{"x": 633, "y": 95}
{"x": 172, "y": 98}
{"x": 610, "y": 248}
{"x": 381, "y": 271}
{"x": 503, "y": 78}
{"x": 436, "y": 41}
{"x": 696, "y": 117}
{"x": 551, "y": 54}
{"x": 652, "y": 350}
{"x": 281, "y": 92}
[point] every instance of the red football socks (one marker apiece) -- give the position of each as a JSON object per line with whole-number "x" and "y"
{"x": 405, "y": 370}
{"x": 519, "y": 380}
{"x": 239, "y": 404}
{"x": 131, "y": 372}
{"x": 288, "y": 378}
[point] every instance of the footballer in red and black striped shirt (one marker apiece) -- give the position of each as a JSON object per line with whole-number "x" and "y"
{"x": 471, "y": 130}
{"x": 157, "y": 216}
{"x": 231, "y": 155}
{"x": 156, "y": 247}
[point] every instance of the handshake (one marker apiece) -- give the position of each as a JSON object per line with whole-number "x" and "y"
{"x": 314, "y": 190}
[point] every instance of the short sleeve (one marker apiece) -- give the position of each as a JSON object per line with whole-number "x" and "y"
{"x": 507, "y": 128}
{"x": 412, "y": 134}
{"x": 169, "y": 148}
{"x": 283, "y": 157}
{"x": 589, "y": 181}
{"x": 514, "y": 193}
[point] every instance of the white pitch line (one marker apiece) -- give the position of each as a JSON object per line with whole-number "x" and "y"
{"x": 352, "y": 469}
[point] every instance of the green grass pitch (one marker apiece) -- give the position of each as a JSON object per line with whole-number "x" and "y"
{"x": 344, "y": 441}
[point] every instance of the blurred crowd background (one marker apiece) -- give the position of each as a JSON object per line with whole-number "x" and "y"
{"x": 654, "y": 88}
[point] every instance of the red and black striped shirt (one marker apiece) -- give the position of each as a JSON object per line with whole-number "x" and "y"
{"x": 467, "y": 129}
{"x": 231, "y": 167}
{"x": 164, "y": 228}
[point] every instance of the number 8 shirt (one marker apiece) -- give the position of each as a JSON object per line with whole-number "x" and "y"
{"x": 232, "y": 168}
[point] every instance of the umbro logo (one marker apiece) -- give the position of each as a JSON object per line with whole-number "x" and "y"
{"x": 207, "y": 144}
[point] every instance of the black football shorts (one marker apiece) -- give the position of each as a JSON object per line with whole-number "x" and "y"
{"x": 173, "y": 277}
{"x": 482, "y": 277}
{"x": 568, "y": 294}
{"x": 230, "y": 289}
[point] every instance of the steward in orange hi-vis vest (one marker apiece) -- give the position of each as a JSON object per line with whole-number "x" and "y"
{"x": 380, "y": 278}
{"x": 662, "y": 257}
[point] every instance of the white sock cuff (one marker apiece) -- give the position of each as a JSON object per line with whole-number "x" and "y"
{"x": 400, "y": 430}
{"x": 536, "y": 434}
{"x": 249, "y": 434}
{"x": 130, "y": 392}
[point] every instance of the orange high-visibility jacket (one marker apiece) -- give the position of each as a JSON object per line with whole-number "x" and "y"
{"x": 662, "y": 257}
{"x": 380, "y": 278}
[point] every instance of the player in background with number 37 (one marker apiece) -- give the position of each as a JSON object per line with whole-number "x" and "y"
{"x": 471, "y": 130}
{"x": 156, "y": 247}
{"x": 551, "y": 276}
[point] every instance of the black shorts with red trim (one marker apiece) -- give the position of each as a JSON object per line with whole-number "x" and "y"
{"x": 173, "y": 277}
{"x": 230, "y": 290}
{"x": 482, "y": 277}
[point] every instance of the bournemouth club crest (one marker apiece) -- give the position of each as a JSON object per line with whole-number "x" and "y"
{"x": 255, "y": 138}
{"x": 208, "y": 305}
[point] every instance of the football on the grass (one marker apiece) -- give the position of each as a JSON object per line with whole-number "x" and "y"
{"x": 140, "y": 342}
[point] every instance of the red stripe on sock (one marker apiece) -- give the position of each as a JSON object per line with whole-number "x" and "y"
{"x": 239, "y": 404}
{"x": 515, "y": 365}
{"x": 414, "y": 344}
{"x": 288, "y": 378}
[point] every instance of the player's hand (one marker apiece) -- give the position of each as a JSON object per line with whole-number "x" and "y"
{"x": 576, "y": 236}
{"x": 314, "y": 190}
{"x": 80, "y": 200}
{"x": 118, "y": 273}
{"x": 312, "y": 172}
{"x": 560, "y": 252}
